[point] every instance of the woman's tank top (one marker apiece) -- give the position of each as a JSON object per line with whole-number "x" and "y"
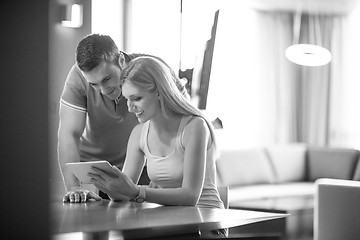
{"x": 167, "y": 172}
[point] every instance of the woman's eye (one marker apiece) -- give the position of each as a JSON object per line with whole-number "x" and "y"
{"x": 137, "y": 99}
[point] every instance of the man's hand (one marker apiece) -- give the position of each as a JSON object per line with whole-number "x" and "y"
{"x": 79, "y": 195}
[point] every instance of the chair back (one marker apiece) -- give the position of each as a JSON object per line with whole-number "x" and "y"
{"x": 224, "y": 192}
{"x": 337, "y": 209}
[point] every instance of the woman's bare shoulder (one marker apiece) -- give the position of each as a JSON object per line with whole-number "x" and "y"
{"x": 137, "y": 130}
{"x": 196, "y": 127}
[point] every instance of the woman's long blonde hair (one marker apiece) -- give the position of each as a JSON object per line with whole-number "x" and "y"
{"x": 149, "y": 74}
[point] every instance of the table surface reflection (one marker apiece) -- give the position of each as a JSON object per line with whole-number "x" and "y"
{"x": 130, "y": 220}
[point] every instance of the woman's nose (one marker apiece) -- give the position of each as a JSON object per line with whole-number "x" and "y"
{"x": 130, "y": 106}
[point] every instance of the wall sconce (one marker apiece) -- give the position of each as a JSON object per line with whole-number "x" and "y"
{"x": 72, "y": 16}
{"x": 310, "y": 53}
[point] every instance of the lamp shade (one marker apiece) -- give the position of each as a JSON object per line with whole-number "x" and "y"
{"x": 73, "y": 16}
{"x": 308, "y": 55}
{"x": 308, "y": 40}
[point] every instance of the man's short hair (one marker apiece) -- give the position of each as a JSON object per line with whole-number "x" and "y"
{"x": 95, "y": 48}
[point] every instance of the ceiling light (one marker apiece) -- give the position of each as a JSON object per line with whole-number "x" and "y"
{"x": 309, "y": 52}
{"x": 308, "y": 55}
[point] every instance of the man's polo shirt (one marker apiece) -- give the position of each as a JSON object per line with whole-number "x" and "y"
{"x": 108, "y": 122}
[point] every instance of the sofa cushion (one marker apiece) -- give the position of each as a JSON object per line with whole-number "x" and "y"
{"x": 331, "y": 163}
{"x": 288, "y": 162}
{"x": 268, "y": 191}
{"x": 244, "y": 166}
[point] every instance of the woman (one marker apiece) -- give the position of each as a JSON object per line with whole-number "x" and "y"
{"x": 174, "y": 137}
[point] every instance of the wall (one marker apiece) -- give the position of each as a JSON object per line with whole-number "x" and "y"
{"x": 24, "y": 120}
{"x": 62, "y": 45}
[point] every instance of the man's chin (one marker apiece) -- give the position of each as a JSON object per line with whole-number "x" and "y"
{"x": 112, "y": 96}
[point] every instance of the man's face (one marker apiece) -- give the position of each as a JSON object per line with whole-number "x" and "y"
{"x": 106, "y": 79}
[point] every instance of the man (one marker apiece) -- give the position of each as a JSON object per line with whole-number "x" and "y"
{"x": 94, "y": 121}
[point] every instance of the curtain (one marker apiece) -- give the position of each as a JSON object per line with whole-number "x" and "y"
{"x": 314, "y": 92}
{"x": 344, "y": 127}
{"x": 262, "y": 98}
{"x": 275, "y": 36}
{"x": 302, "y": 93}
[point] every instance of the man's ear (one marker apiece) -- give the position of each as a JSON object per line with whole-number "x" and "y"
{"x": 124, "y": 59}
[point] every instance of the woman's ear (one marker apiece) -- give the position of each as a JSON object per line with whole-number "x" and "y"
{"x": 124, "y": 59}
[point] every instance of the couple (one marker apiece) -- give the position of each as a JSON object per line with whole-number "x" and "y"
{"x": 141, "y": 98}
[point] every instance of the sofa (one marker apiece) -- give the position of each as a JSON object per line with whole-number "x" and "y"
{"x": 282, "y": 179}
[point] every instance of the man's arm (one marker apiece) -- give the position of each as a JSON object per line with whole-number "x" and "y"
{"x": 71, "y": 126}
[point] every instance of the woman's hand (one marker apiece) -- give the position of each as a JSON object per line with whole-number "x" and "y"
{"x": 116, "y": 184}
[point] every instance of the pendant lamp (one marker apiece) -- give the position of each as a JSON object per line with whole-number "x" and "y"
{"x": 310, "y": 53}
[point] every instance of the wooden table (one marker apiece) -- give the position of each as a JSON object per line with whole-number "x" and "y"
{"x": 129, "y": 220}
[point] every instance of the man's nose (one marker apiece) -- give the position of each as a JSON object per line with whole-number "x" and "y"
{"x": 102, "y": 89}
{"x": 96, "y": 87}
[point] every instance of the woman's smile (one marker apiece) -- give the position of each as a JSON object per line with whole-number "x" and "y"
{"x": 139, "y": 114}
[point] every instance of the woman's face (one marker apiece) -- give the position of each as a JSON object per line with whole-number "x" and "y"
{"x": 145, "y": 105}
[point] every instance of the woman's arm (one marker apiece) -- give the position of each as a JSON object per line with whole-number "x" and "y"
{"x": 124, "y": 186}
{"x": 135, "y": 159}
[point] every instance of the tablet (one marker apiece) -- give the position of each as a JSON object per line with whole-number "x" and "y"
{"x": 82, "y": 169}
